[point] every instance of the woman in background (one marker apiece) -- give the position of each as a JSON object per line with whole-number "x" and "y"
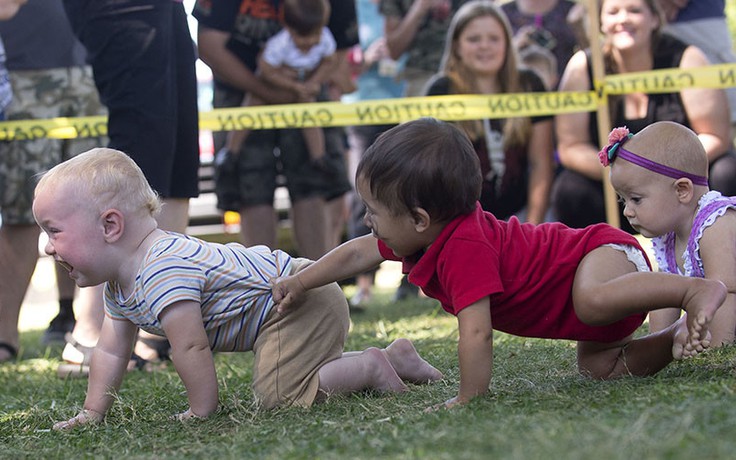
{"x": 516, "y": 154}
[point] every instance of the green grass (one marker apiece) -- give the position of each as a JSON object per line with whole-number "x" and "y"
{"x": 538, "y": 407}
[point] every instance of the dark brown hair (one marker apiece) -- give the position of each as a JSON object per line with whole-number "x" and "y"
{"x": 306, "y": 16}
{"x": 425, "y": 163}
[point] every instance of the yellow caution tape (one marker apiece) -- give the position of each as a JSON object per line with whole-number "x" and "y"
{"x": 392, "y": 111}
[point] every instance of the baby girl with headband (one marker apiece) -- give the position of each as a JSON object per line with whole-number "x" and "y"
{"x": 660, "y": 175}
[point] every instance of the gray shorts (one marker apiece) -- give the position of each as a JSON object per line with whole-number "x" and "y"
{"x": 40, "y": 94}
{"x": 267, "y": 156}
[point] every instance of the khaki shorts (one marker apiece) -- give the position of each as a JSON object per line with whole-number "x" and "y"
{"x": 291, "y": 349}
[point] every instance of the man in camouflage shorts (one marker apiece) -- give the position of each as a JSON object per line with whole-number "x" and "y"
{"x": 42, "y": 94}
{"x": 49, "y": 79}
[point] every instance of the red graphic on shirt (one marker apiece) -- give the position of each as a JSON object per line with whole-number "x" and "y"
{"x": 259, "y": 9}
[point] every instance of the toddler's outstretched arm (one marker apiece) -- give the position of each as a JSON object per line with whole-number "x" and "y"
{"x": 350, "y": 258}
{"x": 107, "y": 368}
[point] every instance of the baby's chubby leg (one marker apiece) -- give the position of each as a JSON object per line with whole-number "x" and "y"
{"x": 642, "y": 356}
{"x": 681, "y": 346}
{"x": 702, "y": 300}
{"x": 407, "y": 363}
{"x": 369, "y": 369}
{"x": 608, "y": 287}
{"x": 381, "y": 369}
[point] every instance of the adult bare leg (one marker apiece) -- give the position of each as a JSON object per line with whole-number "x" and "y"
{"x": 309, "y": 216}
{"x": 174, "y": 215}
{"x": 258, "y": 225}
{"x": 18, "y": 256}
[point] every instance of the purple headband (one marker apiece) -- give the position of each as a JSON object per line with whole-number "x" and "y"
{"x": 619, "y": 136}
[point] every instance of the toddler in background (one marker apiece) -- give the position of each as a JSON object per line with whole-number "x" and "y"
{"x": 299, "y": 59}
{"x": 661, "y": 176}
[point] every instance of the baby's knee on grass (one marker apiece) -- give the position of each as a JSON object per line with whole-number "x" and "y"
{"x": 599, "y": 361}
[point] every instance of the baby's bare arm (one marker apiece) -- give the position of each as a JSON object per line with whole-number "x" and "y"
{"x": 475, "y": 352}
{"x": 350, "y": 258}
{"x": 108, "y": 366}
{"x": 324, "y": 70}
{"x": 717, "y": 240}
{"x": 192, "y": 356}
{"x": 279, "y": 77}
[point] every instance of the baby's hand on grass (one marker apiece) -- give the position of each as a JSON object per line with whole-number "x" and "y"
{"x": 85, "y": 417}
{"x": 449, "y": 404}
{"x": 186, "y": 416}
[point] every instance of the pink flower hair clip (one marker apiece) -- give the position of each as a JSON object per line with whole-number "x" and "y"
{"x": 617, "y": 137}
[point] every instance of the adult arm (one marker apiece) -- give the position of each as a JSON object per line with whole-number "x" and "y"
{"x": 107, "y": 368}
{"x": 192, "y": 357}
{"x": 283, "y": 78}
{"x": 228, "y": 68}
{"x": 400, "y": 31}
{"x": 8, "y": 8}
{"x": 707, "y": 109}
{"x": 350, "y": 258}
{"x": 672, "y": 7}
{"x": 327, "y": 67}
{"x": 574, "y": 145}
{"x": 541, "y": 146}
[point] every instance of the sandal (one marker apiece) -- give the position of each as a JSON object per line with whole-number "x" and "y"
{"x": 75, "y": 370}
{"x": 12, "y": 351}
{"x": 69, "y": 369}
{"x": 161, "y": 346}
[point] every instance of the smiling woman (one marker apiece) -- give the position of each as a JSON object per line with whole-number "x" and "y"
{"x": 634, "y": 42}
{"x": 516, "y": 153}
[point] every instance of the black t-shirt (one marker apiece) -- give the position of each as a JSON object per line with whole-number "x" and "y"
{"x": 252, "y": 22}
{"x": 505, "y": 171}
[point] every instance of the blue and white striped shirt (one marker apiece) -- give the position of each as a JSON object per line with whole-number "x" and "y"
{"x": 230, "y": 282}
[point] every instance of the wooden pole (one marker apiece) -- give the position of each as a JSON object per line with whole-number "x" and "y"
{"x": 604, "y": 118}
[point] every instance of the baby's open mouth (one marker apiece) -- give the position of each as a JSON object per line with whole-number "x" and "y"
{"x": 66, "y": 266}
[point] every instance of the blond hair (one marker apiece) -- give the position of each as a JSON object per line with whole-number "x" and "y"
{"x": 105, "y": 178}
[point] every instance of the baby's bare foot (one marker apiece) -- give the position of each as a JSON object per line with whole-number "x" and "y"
{"x": 385, "y": 377}
{"x": 680, "y": 340}
{"x": 701, "y": 304}
{"x": 408, "y": 364}
{"x": 682, "y": 347}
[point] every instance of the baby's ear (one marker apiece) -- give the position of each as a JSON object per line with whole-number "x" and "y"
{"x": 685, "y": 190}
{"x": 113, "y": 224}
{"x": 422, "y": 220}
